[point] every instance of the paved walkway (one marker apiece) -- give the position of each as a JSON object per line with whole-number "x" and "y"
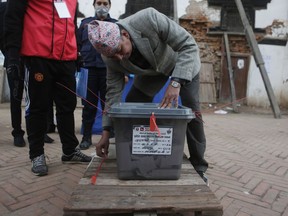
{"x": 248, "y": 156}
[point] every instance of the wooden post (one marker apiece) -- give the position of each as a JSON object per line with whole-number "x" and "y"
{"x": 231, "y": 74}
{"x": 258, "y": 58}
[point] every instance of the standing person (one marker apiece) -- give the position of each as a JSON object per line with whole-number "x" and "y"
{"x": 15, "y": 96}
{"x": 153, "y": 47}
{"x": 92, "y": 60}
{"x": 47, "y": 44}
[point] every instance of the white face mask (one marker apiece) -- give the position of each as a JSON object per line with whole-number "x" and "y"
{"x": 101, "y": 11}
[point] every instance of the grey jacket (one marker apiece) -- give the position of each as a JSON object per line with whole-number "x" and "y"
{"x": 169, "y": 48}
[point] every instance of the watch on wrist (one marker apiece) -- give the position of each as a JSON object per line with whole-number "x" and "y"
{"x": 175, "y": 84}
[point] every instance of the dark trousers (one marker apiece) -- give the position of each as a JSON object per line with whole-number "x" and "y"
{"x": 96, "y": 88}
{"x": 46, "y": 80}
{"x": 15, "y": 106}
{"x": 50, "y": 117}
{"x": 189, "y": 94}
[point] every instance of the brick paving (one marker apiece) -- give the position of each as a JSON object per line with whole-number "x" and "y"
{"x": 247, "y": 152}
{"x": 248, "y": 158}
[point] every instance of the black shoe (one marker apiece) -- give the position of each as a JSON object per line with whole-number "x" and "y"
{"x": 39, "y": 166}
{"x": 85, "y": 144}
{"x": 51, "y": 128}
{"x": 204, "y": 177}
{"x": 48, "y": 139}
{"x": 19, "y": 141}
{"x": 76, "y": 157}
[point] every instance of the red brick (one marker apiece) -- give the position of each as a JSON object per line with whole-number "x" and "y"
{"x": 270, "y": 196}
{"x": 261, "y": 188}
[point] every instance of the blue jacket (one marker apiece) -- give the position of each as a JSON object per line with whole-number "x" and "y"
{"x": 90, "y": 56}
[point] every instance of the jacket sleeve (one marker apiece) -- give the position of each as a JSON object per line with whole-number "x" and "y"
{"x": 188, "y": 62}
{"x": 115, "y": 86}
{"x": 75, "y": 22}
{"x": 161, "y": 31}
{"x": 13, "y": 28}
{"x": 79, "y": 36}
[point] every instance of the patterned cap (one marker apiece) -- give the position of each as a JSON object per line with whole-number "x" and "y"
{"x": 104, "y": 36}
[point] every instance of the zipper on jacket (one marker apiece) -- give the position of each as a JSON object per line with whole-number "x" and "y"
{"x": 64, "y": 39}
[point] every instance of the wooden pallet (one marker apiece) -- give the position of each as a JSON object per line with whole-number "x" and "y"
{"x": 110, "y": 196}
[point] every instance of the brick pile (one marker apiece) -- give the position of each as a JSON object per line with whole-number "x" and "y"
{"x": 211, "y": 43}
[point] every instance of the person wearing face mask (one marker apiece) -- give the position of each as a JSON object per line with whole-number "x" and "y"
{"x": 92, "y": 60}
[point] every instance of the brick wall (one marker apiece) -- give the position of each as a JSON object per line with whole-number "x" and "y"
{"x": 210, "y": 42}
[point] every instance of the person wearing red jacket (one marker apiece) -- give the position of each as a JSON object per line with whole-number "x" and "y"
{"x": 16, "y": 96}
{"x": 43, "y": 34}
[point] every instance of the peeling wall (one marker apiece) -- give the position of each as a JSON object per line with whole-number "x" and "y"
{"x": 278, "y": 29}
{"x": 276, "y": 9}
{"x": 197, "y": 21}
{"x": 275, "y": 58}
{"x": 274, "y": 20}
{"x": 198, "y": 8}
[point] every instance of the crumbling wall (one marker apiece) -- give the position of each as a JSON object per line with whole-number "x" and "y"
{"x": 278, "y": 29}
{"x": 211, "y": 44}
{"x": 203, "y": 23}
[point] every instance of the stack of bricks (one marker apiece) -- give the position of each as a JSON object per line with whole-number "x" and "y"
{"x": 212, "y": 45}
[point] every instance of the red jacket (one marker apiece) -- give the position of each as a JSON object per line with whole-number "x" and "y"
{"x": 45, "y": 34}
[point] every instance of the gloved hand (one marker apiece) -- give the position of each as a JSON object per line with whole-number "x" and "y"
{"x": 15, "y": 75}
{"x": 13, "y": 72}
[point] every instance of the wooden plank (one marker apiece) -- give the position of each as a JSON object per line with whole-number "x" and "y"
{"x": 207, "y": 73}
{"x": 111, "y": 196}
{"x": 207, "y": 93}
{"x": 108, "y": 175}
{"x": 207, "y": 89}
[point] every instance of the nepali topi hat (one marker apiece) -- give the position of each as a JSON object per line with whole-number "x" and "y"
{"x": 104, "y": 37}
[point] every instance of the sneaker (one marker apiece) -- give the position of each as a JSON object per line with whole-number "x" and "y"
{"x": 19, "y": 141}
{"x": 76, "y": 157}
{"x": 204, "y": 177}
{"x": 39, "y": 166}
{"x": 85, "y": 144}
{"x": 48, "y": 139}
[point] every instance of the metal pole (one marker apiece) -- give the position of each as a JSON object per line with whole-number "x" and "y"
{"x": 258, "y": 58}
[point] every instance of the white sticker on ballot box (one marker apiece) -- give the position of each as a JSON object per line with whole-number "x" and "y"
{"x": 146, "y": 142}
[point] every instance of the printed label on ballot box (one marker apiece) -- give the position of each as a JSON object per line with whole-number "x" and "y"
{"x": 146, "y": 142}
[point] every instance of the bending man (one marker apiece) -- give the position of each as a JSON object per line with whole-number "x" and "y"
{"x": 152, "y": 47}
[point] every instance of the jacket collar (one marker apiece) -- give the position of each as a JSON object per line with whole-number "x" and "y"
{"x": 143, "y": 46}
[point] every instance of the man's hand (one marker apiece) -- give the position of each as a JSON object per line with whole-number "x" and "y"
{"x": 171, "y": 97}
{"x": 103, "y": 145}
